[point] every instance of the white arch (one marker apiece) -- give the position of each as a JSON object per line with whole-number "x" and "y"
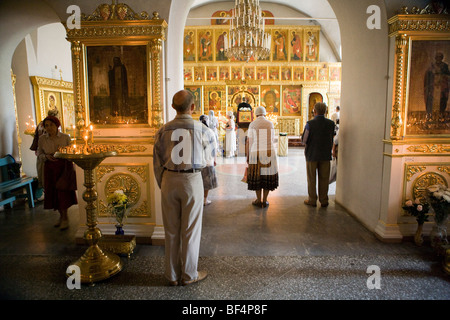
{"x": 17, "y": 19}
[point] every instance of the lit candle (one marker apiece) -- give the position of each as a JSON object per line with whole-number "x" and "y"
{"x": 92, "y": 133}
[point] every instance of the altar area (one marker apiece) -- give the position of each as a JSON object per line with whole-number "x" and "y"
{"x": 287, "y": 83}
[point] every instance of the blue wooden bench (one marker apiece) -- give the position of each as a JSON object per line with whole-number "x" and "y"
{"x": 12, "y": 181}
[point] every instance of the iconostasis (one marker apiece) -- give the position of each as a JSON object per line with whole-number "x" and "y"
{"x": 284, "y": 83}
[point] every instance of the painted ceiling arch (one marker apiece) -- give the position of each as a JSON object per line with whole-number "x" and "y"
{"x": 319, "y": 9}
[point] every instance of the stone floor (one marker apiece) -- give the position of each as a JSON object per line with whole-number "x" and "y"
{"x": 286, "y": 252}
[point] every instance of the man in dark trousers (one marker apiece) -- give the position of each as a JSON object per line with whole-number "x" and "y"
{"x": 318, "y": 138}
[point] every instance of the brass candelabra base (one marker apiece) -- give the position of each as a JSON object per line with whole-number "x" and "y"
{"x": 95, "y": 264}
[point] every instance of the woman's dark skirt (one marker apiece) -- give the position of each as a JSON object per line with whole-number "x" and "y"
{"x": 54, "y": 198}
{"x": 257, "y": 181}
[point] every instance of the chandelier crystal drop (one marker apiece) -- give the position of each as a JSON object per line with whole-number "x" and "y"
{"x": 246, "y": 37}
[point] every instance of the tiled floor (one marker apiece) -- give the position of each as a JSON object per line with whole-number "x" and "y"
{"x": 286, "y": 251}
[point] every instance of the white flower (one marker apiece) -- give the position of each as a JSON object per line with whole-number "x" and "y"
{"x": 433, "y": 188}
{"x": 119, "y": 191}
{"x": 446, "y": 197}
{"x": 438, "y": 194}
{"x": 419, "y": 207}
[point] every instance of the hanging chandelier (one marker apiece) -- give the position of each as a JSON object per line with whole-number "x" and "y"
{"x": 247, "y": 38}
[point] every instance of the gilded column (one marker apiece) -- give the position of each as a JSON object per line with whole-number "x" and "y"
{"x": 76, "y": 69}
{"x": 19, "y": 139}
{"x": 397, "y": 110}
{"x": 157, "y": 112}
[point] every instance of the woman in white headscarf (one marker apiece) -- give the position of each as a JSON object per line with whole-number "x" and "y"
{"x": 230, "y": 136}
{"x": 213, "y": 122}
{"x": 214, "y": 125}
{"x": 262, "y": 175}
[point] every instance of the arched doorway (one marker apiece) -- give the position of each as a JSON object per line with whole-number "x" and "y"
{"x": 242, "y": 96}
{"x": 314, "y": 98}
{"x": 33, "y": 14}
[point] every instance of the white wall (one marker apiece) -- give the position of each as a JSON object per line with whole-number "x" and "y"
{"x": 37, "y": 55}
{"x": 174, "y": 54}
{"x": 49, "y": 50}
{"x": 17, "y": 19}
{"x": 363, "y": 108}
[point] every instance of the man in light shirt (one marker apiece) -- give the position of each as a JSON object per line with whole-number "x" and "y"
{"x": 335, "y": 116}
{"x": 179, "y": 155}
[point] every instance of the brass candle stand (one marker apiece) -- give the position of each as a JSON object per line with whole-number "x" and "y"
{"x": 95, "y": 264}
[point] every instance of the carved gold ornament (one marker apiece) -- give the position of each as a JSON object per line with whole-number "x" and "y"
{"x": 444, "y": 169}
{"x": 412, "y": 170}
{"x": 430, "y": 148}
{"x": 125, "y": 182}
{"x": 102, "y": 170}
{"x": 419, "y": 187}
{"x": 114, "y": 11}
{"x": 134, "y": 182}
{"x": 397, "y": 110}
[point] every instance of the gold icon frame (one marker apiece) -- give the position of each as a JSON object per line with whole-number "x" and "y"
{"x": 110, "y": 30}
{"x": 407, "y": 29}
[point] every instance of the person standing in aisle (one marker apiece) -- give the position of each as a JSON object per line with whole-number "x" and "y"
{"x": 209, "y": 172}
{"x": 262, "y": 173}
{"x": 178, "y": 157}
{"x": 318, "y": 139}
{"x": 230, "y": 136}
{"x": 335, "y": 116}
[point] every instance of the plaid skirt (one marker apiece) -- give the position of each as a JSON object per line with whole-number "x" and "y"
{"x": 257, "y": 178}
{"x": 209, "y": 178}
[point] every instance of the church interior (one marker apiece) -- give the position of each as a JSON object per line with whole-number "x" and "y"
{"x": 384, "y": 63}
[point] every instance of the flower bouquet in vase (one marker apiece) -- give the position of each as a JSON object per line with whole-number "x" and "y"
{"x": 439, "y": 198}
{"x": 118, "y": 202}
{"x": 420, "y": 211}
